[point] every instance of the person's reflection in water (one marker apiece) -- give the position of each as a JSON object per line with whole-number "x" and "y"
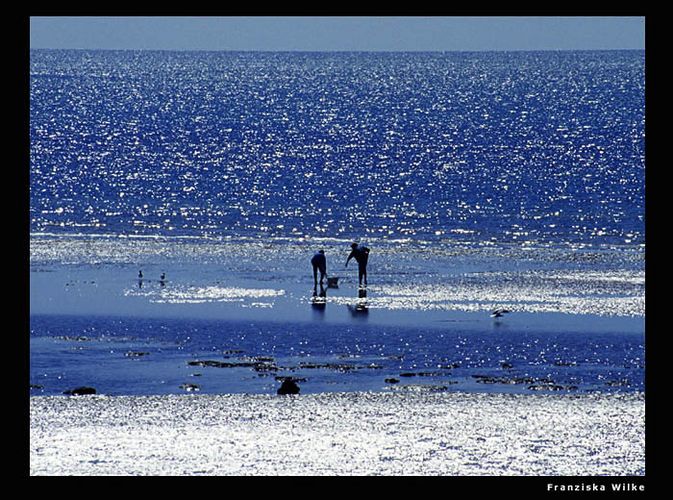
{"x": 360, "y": 310}
{"x": 319, "y": 301}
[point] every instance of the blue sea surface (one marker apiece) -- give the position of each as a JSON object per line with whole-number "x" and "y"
{"x": 525, "y": 146}
{"x": 479, "y": 180}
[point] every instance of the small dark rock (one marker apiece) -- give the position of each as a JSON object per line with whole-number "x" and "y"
{"x": 80, "y": 391}
{"x": 564, "y": 363}
{"x": 506, "y": 365}
{"x": 291, "y": 379}
{"x": 288, "y": 387}
{"x": 221, "y": 364}
{"x": 36, "y": 386}
{"x": 135, "y": 354}
{"x": 407, "y": 374}
{"x": 392, "y": 381}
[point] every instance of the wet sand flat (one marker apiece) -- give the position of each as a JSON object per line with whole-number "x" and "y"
{"x": 424, "y": 433}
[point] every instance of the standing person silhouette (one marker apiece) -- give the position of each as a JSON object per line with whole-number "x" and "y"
{"x": 361, "y": 254}
{"x": 319, "y": 262}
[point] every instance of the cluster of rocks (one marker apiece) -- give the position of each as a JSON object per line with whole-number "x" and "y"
{"x": 552, "y": 387}
{"x": 422, "y": 374}
{"x": 258, "y": 364}
{"x": 533, "y": 383}
{"x": 339, "y": 367}
{"x": 265, "y": 365}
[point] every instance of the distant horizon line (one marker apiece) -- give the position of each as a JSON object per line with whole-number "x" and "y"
{"x": 433, "y": 51}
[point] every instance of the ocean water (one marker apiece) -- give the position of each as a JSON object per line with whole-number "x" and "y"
{"x": 479, "y": 180}
{"x": 541, "y": 147}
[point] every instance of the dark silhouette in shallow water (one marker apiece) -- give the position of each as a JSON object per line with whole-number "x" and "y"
{"x": 288, "y": 387}
{"x": 361, "y": 254}
{"x": 319, "y": 263}
{"x": 80, "y": 391}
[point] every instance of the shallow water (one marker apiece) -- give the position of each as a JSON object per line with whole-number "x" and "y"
{"x": 412, "y": 274}
{"x": 168, "y": 356}
{"x": 576, "y": 320}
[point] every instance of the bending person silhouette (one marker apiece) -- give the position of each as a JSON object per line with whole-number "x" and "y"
{"x": 361, "y": 254}
{"x": 319, "y": 263}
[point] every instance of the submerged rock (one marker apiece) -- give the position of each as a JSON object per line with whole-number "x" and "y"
{"x": 488, "y": 379}
{"x": 136, "y": 354}
{"x": 340, "y": 367}
{"x": 283, "y": 378}
{"x": 618, "y": 383}
{"x": 421, "y": 388}
{"x": 80, "y": 391}
{"x": 552, "y": 387}
{"x": 221, "y": 364}
{"x": 259, "y": 366}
